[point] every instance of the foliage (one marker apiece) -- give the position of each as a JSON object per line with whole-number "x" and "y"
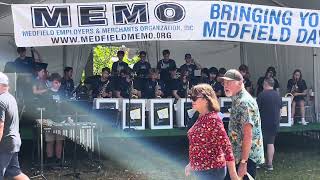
{"x": 103, "y": 55}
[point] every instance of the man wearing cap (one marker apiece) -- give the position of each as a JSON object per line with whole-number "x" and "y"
{"x": 191, "y": 65}
{"x": 10, "y": 141}
{"x": 244, "y": 126}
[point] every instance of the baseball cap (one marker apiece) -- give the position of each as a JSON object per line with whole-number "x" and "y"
{"x": 4, "y": 79}
{"x": 232, "y": 75}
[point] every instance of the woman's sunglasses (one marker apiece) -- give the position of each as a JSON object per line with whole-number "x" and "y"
{"x": 195, "y": 98}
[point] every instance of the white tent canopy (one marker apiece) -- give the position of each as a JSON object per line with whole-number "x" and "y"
{"x": 208, "y": 53}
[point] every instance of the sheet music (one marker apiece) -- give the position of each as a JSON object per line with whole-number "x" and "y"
{"x": 163, "y": 113}
{"x": 284, "y": 111}
{"x": 135, "y": 114}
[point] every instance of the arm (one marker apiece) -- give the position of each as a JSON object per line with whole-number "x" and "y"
{"x": 197, "y": 64}
{"x": 37, "y": 91}
{"x": 175, "y": 94}
{"x": 246, "y": 148}
{"x": 1, "y": 128}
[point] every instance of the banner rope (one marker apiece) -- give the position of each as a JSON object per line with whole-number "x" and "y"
{"x": 3, "y": 3}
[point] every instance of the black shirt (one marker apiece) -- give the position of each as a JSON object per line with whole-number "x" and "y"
{"x": 148, "y": 91}
{"x": 191, "y": 68}
{"x": 164, "y": 67}
{"x": 260, "y": 84}
{"x": 181, "y": 87}
{"x": 24, "y": 65}
{"x": 142, "y": 67}
{"x": 124, "y": 86}
{"x": 269, "y": 103}
{"x": 52, "y": 102}
{"x": 66, "y": 88}
{"x": 99, "y": 86}
{"x": 216, "y": 86}
{"x": 118, "y": 66}
{"x": 297, "y": 87}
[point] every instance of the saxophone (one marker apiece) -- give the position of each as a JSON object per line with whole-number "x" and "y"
{"x": 103, "y": 89}
{"x": 157, "y": 91}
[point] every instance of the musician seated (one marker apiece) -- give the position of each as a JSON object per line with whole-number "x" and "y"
{"x": 142, "y": 67}
{"x": 204, "y": 76}
{"x": 191, "y": 65}
{"x": 270, "y": 73}
{"x": 244, "y": 70}
{"x": 153, "y": 87}
{"x": 222, "y": 71}
{"x": 213, "y": 82}
{"x": 102, "y": 86}
{"x": 119, "y": 65}
{"x": 67, "y": 84}
{"x": 52, "y": 104}
{"x": 164, "y": 66}
{"x": 297, "y": 87}
{"x": 181, "y": 86}
{"x": 127, "y": 86}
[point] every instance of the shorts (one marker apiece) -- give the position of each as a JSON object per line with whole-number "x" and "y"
{"x": 268, "y": 139}
{"x": 49, "y": 137}
{"x": 9, "y": 165}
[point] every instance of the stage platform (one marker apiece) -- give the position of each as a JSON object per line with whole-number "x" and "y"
{"x": 26, "y": 133}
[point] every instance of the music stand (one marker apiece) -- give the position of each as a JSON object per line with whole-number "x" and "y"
{"x": 129, "y": 129}
{"x": 41, "y": 146}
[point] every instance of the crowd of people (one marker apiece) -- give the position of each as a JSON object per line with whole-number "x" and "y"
{"x": 249, "y": 119}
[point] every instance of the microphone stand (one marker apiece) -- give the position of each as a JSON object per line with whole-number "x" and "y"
{"x": 129, "y": 104}
{"x": 41, "y": 175}
{"x": 185, "y": 108}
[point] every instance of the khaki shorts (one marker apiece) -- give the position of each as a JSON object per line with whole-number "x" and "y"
{"x": 49, "y": 137}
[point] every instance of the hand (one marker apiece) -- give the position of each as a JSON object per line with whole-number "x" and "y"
{"x": 104, "y": 94}
{"x": 294, "y": 94}
{"x": 187, "y": 170}
{"x": 235, "y": 177}
{"x": 242, "y": 170}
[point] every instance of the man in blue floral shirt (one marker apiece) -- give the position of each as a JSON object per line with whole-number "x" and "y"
{"x": 245, "y": 125}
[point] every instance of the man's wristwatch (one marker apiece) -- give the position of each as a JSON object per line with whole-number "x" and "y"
{"x": 243, "y": 161}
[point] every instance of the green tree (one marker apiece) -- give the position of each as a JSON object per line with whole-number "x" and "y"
{"x": 102, "y": 57}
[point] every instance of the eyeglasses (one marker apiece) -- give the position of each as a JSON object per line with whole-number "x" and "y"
{"x": 195, "y": 98}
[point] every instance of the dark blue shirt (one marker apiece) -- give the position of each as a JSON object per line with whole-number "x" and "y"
{"x": 164, "y": 66}
{"x": 149, "y": 88}
{"x": 66, "y": 88}
{"x": 118, "y": 66}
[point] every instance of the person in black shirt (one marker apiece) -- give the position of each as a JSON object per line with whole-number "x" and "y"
{"x": 67, "y": 84}
{"x": 24, "y": 63}
{"x": 102, "y": 86}
{"x": 244, "y": 70}
{"x": 270, "y": 103}
{"x": 119, "y": 65}
{"x": 164, "y": 65}
{"x": 270, "y": 73}
{"x": 191, "y": 65}
{"x": 222, "y": 71}
{"x": 298, "y": 88}
{"x": 142, "y": 67}
{"x": 212, "y": 81}
{"x": 52, "y": 103}
{"x": 153, "y": 87}
{"x": 204, "y": 76}
{"x": 181, "y": 87}
{"x": 125, "y": 84}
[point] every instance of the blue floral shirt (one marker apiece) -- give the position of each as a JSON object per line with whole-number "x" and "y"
{"x": 245, "y": 110}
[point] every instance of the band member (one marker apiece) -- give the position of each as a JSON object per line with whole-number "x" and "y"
{"x": 204, "y": 76}
{"x": 41, "y": 83}
{"x": 119, "y": 65}
{"x": 181, "y": 87}
{"x": 212, "y": 81}
{"x": 10, "y": 140}
{"x": 126, "y": 86}
{"x": 191, "y": 65}
{"x": 154, "y": 87}
{"x": 298, "y": 88}
{"x": 142, "y": 67}
{"x": 244, "y": 70}
{"x": 102, "y": 86}
{"x": 222, "y": 71}
{"x": 164, "y": 65}
{"x": 52, "y": 103}
{"x": 24, "y": 63}
{"x": 271, "y": 73}
{"x": 67, "y": 84}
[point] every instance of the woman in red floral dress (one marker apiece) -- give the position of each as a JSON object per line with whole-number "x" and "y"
{"x": 210, "y": 151}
